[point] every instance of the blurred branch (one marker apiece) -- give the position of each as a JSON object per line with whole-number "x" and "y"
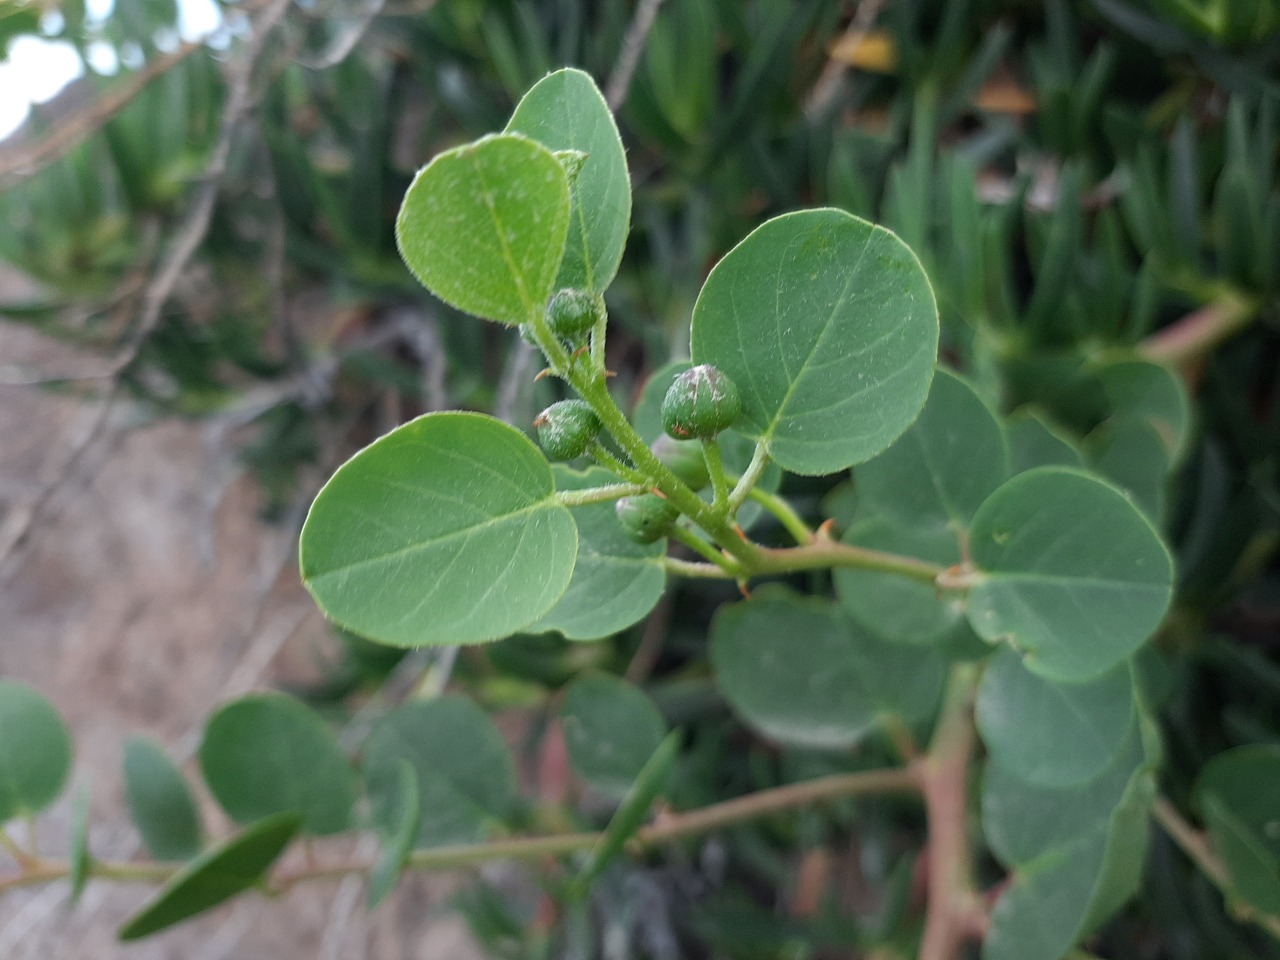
{"x": 629, "y": 57}
{"x": 828, "y": 82}
{"x": 1191, "y": 337}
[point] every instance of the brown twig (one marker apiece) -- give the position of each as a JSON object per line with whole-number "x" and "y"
{"x": 1194, "y": 335}
{"x": 828, "y": 82}
{"x": 629, "y": 56}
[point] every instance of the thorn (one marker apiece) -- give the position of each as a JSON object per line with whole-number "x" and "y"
{"x": 824, "y": 529}
{"x": 742, "y": 588}
{"x": 544, "y": 372}
{"x": 657, "y": 493}
{"x": 541, "y": 420}
{"x": 737, "y": 528}
{"x": 579, "y": 352}
{"x": 610, "y": 373}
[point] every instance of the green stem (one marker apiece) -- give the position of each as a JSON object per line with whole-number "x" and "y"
{"x": 784, "y": 513}
{"x": 746, "y": 483}
{"x": 824, "y": 552}
{"x": 715, "y": 469}
{"x": 706, "y": 550}
{"x": 601, "y": 455}
{"x": 697, "y": 571}
{"x": 598, "y": 334}
{"x": 614, "y": 491}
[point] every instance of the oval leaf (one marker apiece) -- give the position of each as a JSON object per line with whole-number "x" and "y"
{"x": 1239, "y": 794}
{"x": 799, "y": 672}
{"x": 160, "y": 801}
{"x": 1052, "y": 734}
{"x": 1035, "y": 442}
{"x": 1129, "y": 452}
{"x": 466, "y": 776}
{"x": 35, "y": 751}
{"x": 1154, "y": 393}
{"x": 483, "y": 227}
{"x": 446, "y": 530}
{"x": 1071, "y": 573}
{"x": 944, "y": 466}
{"x": 616, "y": 581}
{"x": 268, "y": 753}
{"x": 610, "y": 730}
{"x": 828, "y": 326}
{"x": 565, "y": 111}
{"x": 229, "y": 869}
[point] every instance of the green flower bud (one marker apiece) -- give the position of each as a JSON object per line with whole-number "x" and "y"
{"x": 566, "y": 429}
{"x": 646, "y": 518}
{"x": 700, "y": 403}
{"x": 572, "y": 313}
{"x": 684, "y": 458}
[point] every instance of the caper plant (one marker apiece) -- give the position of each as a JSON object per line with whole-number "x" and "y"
{"x": 990, "y": 599}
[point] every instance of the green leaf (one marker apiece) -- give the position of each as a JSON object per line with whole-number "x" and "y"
{"x": 465, "y": 772}
{"x": 565, "y": 111}
{"x": 1239, "y": 795}
{"x": 81, "y": 862}
{"x": 828, "y": 326}
{"x": 616, "y": 581}
{"x": 944, "y": 466}
{"x": 446, "y": 530}
{"x": 631, "y": 813}
{"x": 610, "y": 730}
{"x": 35, "y": 751}
{"x": 799, "y": 672}
{"x": 1057, "y": 899}
{"x": 160, "y": 802}
{"x": 273, "y": 732}
{"x": 399, "y": 810}
{"x": 1052, "y": 734}
{"x": 1023, "y": 822}
{"x": 1035, "y": 442}
{"x": 229, "y": 869}
{"x": 1070, "y": 573}
{"x": 893, "y": 607}
{"x": 1129, "y": 452}
{"x": 1155, "y": 393}
{"x": 483, "y": 226}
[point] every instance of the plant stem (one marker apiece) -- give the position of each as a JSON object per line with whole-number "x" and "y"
{"x": 697, "y": 571}
{"x": 706, "y": 550}
{"x": 824, "y": 552}
{"x": 715, "y": 469}
{"x": 1197, "y": 333}
{"x": 602, "y": 456}
{"x": 954, "y": 913}
{"x": 746, "y": 483}
{"x": 1193, "y": 843}
{"x": 15, "y": 850}
{"x": 784, "y": 513}
{"x": 614, "y": 491}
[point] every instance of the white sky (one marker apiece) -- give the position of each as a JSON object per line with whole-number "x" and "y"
{"x": 37, "y": 69}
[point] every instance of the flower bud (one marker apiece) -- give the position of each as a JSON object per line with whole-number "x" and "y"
{"x": 572, "y": 313}
{"x": 566, "y": 429}
{"x": 684, "y": 458}
{"x": 646, "y": 518}
{"x": 700, "y": 403}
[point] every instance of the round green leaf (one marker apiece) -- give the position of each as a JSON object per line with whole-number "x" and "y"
{"x": 268, "y": 753}
{"x": 465, "y": 772}
{"x": 1052, "y": 734}
{"x": 565, "y": 111}
{"x": 610, "y": 730}
{"x": 616, "y": 581}
{"x": 1154, "y": 393}
{"x": 829, "y": 328}
{"x": 235, "y": 866}
{"x": 483, "y": 226}
{"x": 446, "y": 530}
{"x": 1035, "y": 442}
{"x": 1070, "y": 573}
{"x": 35, "y": 751}
{"x": 799, "y": 672}
{"x": 944, "y": 466}
{"x": 1239, "y": 795}
{"x": 893, "y": 607}
{"x": 160, "y": 802}
{"x": 1129, "y": 451}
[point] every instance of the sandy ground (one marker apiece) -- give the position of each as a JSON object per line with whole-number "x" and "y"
{"x": 147, "y": 593}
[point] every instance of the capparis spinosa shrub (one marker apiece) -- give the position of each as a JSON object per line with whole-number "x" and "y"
{"x": 990, "y": 590}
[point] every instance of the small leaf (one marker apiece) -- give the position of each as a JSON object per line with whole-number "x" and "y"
{"x": 81, "y": 862}
{"x": 160, "y": 802}
{"x": 1034, "y": 442}
{"x": 483, "y": 227}
{"x": 610, "y": 730}
{"x": 893, "y": 607}
{"x": 799, "y": 672}
{"x": 446, "y": 530}
{"x": 944, "y": 466}
{"x": 231, "y": 868}
{"x": 399, "y": 811}
{"x": 1128, "y": 451}
{"x": 1071, "y": 573}
{"x": 1239, "y": 794}
{"x": 35, "y": 751}
{"x": 466, "y": 776}
{"x": 616, "y": 581}
{"x": 565, "y": 111}
{"x": 1052, "y": 734}
{"x": 828, "y": 326}
{"x": 634, "y": 809}
{"x": 268, "y": 753}
{"x": 1156, "y": 394}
